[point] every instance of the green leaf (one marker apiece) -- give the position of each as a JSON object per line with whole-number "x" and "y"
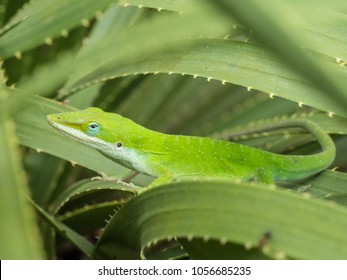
{"x": 86, "y": 186}
{"x": 41, "y": 21}
{"x": 177, "y": 5}
{"x": 227, "y": 61}
{"x": 46, "y": 20}
{"x": 228, "y": 212}
{"x": 213, "y": 250}
{"x": 44, "y": 171}
{"x": 266, "y": 20}
{"x": 88, "y": 218}
{"x": 329, "y": 185}
{"x": 19, "y": 237}
{"x": 79, "y": 241}
{"x": 170, "y": 30}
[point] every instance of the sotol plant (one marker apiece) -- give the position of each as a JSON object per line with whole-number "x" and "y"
{"x": 212, "y": 68}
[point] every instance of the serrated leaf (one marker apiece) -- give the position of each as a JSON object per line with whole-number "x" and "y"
{"x": 86, "y": 186}
{"x": 266, "y": 20}
{"x": 229, "y": 212}
{"x": 235, "y": 62}
{"x": 79, "y": 241}
{"x": 42, "y": 19}
{"x": 89, "y": 218}
{"x": 215, "y": 250}
{"x": 47, "y": 20}
{"x": 329, "y": 185}
{"x": 177, "y": 5}
{"x": 169, "y": 30}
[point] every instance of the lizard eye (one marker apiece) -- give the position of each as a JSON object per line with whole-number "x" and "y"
{"x": 93, "y": 128}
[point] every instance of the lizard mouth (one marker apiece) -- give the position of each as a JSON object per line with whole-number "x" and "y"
{"x": 69, "y": 131}
{"x": 61, "y": 128}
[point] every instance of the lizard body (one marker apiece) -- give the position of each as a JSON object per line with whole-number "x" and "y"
{"x": 176, "y": 156}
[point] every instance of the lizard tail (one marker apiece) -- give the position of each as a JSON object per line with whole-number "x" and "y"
{"x": 291, "y": 167}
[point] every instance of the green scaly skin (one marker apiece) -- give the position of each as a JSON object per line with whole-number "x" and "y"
{"x": 175, "y": 156}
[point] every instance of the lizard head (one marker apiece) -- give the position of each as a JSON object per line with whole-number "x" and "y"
{"x": 93, "y": 127}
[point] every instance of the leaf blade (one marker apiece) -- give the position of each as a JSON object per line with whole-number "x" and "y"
{"x": 237, "y": 212}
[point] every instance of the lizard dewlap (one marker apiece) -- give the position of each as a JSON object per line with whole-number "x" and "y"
{"x": 176, "y": 156}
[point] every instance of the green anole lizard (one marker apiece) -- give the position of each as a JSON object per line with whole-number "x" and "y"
{"x": 171, "y": 157}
